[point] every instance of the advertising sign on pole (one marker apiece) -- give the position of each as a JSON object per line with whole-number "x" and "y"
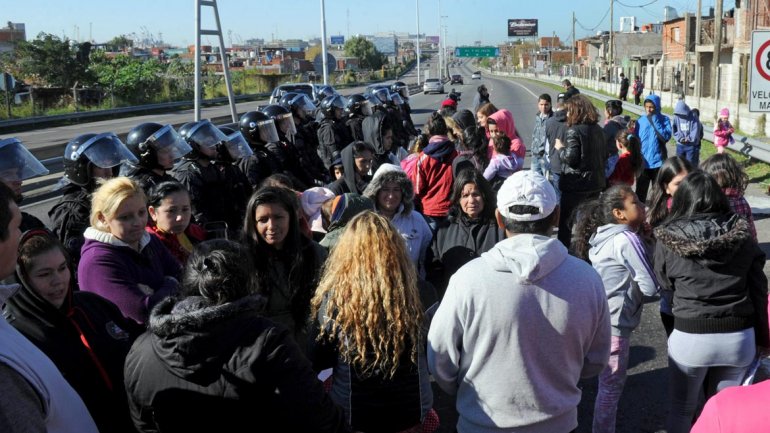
{"x": 522, "y": 27}
{"x": 337, "y": 40}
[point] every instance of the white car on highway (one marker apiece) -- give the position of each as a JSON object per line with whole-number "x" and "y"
{"x": 476, "y": 75}
{"x": 432, "y": 85}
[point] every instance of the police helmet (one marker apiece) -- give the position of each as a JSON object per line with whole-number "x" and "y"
{"x": 283, "y": 119}
{"x": 100, "y": 150}
{"x": 358, "y": 104}
{"x": 401, "y": 88}
{"x": 147, "y": 139}
{"x": 257, "y": 128}
{"x": 330, "y": 103}
{"x": 17, "y": 163}
{"x": 235, "y": 147}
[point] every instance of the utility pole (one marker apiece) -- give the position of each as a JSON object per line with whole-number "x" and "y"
{"x": 574, "y": 45}
{"x": 698, "y": 75}
{"x": 717, "y": 48}
{"x": 417, "y": 2}
{"x": 611, "y": 76}
{"x": 440, "y": 42}
{"x": 323, "y": 42}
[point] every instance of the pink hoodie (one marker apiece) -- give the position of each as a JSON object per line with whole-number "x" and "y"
{"x": 504, "y": 121}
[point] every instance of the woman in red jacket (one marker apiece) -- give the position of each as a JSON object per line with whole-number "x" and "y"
{"x": 433, "y": 178}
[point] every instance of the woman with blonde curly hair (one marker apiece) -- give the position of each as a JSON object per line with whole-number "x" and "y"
{"x": 370, "y": 329}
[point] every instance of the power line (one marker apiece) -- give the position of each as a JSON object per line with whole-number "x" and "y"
{"x": 596, "y": 26}
{"x": 635, "y": 6}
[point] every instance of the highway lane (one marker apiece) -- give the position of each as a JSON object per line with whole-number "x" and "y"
{"x": 644, "y": 403}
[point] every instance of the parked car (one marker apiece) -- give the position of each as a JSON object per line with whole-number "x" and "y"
{"x": 279, "y": 91}
{"x": 476, "y": 75}
{"x": 457, "y": 79}
{"x": 432, "y": 85}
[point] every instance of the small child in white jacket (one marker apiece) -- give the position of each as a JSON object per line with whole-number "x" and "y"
{"x": 607, "y": 237}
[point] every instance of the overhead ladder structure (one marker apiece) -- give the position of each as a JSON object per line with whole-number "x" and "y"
{"x": 222, "y": 53}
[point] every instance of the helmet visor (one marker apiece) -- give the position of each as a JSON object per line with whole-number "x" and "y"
{"x": 396, "y": 98}
{"x": 303, "y": 103}
{"x": 237, "y": 146}
{"x": 167, "y": 138}
{"x": 383, "y": 95}
{"x": 404, "y": 92}
{"x": 205, "y": 134}
{"x": 17, "y": 163}
{"x": 267, "y": 131}
{"x": 366, "y": 108}
{"x": 103, "y": 150}
{"x": 285, "y": 122}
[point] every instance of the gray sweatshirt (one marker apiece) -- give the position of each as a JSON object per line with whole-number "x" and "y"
{"x": 620, "y": 257}
{"x": 517, "y": 329}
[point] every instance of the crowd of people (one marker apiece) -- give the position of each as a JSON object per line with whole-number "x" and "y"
{"x": 315, "y": 268}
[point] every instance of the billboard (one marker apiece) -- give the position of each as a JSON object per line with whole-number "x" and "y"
{"x": 522, "y": 27}
{"x": 338, "y": 40}
{"x": 432, "y": 39}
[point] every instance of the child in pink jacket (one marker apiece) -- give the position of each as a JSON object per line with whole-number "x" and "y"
{"x": 723, "y": 131}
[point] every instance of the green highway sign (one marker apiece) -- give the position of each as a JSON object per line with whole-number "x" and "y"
{"x": 477, "y": 52}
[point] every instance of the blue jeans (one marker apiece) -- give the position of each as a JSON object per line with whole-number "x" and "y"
{"x": 539, "y": 164}
{"x": 555, "y": 182}
{"x": 690, "y": 152}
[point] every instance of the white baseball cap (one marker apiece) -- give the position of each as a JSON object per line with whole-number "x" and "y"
{"x": 526, "y": 188}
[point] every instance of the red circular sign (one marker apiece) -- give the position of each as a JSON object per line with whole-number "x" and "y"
{"x": 758, "y": 61}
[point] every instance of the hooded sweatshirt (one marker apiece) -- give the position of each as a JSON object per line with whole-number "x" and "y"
{"x": 686, "y": 128}
{"x": 653, "y": 152}
{"x": 516, "y": 330}
{"x": 88, "y": 339}
{"x": 348, "y": 182}
{"x": 372, "y": 131}
{"x": 433, "y": 177}
{"x": 505, "y": 122}
{"x": 134, "y": 280}
{"x": 621, "y": 259}
{"x": 60, "y": 408}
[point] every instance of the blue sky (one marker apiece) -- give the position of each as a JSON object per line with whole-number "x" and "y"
{"x": 467, "y": 20}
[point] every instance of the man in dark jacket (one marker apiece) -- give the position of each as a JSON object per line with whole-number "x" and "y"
{"x": 569, "y": 89}
{"x": 556, "y": 128}
{"x": 481, "y": 98}
{"x": 623, "y": 87}
{"x": 378, "y": 132}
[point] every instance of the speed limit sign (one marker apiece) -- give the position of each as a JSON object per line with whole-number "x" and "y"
{"x": 759, "y": 93}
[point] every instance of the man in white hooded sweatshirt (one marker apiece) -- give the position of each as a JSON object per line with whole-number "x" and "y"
{"x": 519, "y": 326}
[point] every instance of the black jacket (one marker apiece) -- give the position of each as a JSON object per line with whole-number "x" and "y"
{"x": 146, "y": 178}
{"x": 225, "y": 368}
{"x": 459, "y": 240}
{"x": 583, "y": 159}
{"x": 94, "y": 370}
{"x": 333, "y": 136}
{"x": 206, "y": 186}
{"x": 715, "y": 270}
{"x": 354, "y": 123}
{"x": 348, "y": 181}
{"x": 259, "y": 166}
{"x": 312, "y": 169}
{"x": 70, "y": 218}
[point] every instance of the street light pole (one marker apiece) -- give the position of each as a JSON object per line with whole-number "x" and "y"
{"x": 323, "y": 42}
{"x": 418, "y": 41}
{"x": 440, "y": 43}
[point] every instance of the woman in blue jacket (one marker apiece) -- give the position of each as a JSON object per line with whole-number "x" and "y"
{"x": 654, "y": 132}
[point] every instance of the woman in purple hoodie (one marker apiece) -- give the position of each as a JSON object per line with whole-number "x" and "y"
{"x": 120, "y": 260}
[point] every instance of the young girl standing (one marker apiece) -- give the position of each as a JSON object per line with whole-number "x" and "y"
{"x": 606, "y": 235}
{"x": 670, "y": 175}
{"x": 503, "y": 163}
{"x": 723, "y": 131}
{"x": 733, "y": 181}
{"x": 630, "y": 162}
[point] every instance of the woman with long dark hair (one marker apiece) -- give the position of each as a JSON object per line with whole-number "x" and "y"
{"x": 287, "y": 263}
{"x": 706, "y": 256}
{"x": 469, "y": 231}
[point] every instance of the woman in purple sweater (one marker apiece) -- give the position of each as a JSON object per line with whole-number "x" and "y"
{"x": 120, "y": 260}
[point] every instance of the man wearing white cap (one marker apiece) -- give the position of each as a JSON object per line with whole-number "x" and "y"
{"x": 519, "y": 326}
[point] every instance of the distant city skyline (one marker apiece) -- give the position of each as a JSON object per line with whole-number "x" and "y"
{"x": 466, "y": 21}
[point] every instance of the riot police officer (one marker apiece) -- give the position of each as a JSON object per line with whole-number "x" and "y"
{"x": 306, "y": 140}
{"x": 198, "y": 173}
{"x": 156, "y": 147}
{"x": 238, "y": 188}
{"x": 284, "y": 149}
{"x": 357, "y": 108}
{"x": 258, "y": 129}
{"x": 16, "y": 166}
{"x": 87, "y": 158}
{"x": 333, "y": 134}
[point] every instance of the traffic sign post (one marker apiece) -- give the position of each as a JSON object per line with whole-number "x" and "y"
{"x": 477, "y": 52}
{"x": 759, "y": 87}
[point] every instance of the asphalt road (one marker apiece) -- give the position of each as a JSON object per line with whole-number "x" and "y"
{"x": 644, "y": 404}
